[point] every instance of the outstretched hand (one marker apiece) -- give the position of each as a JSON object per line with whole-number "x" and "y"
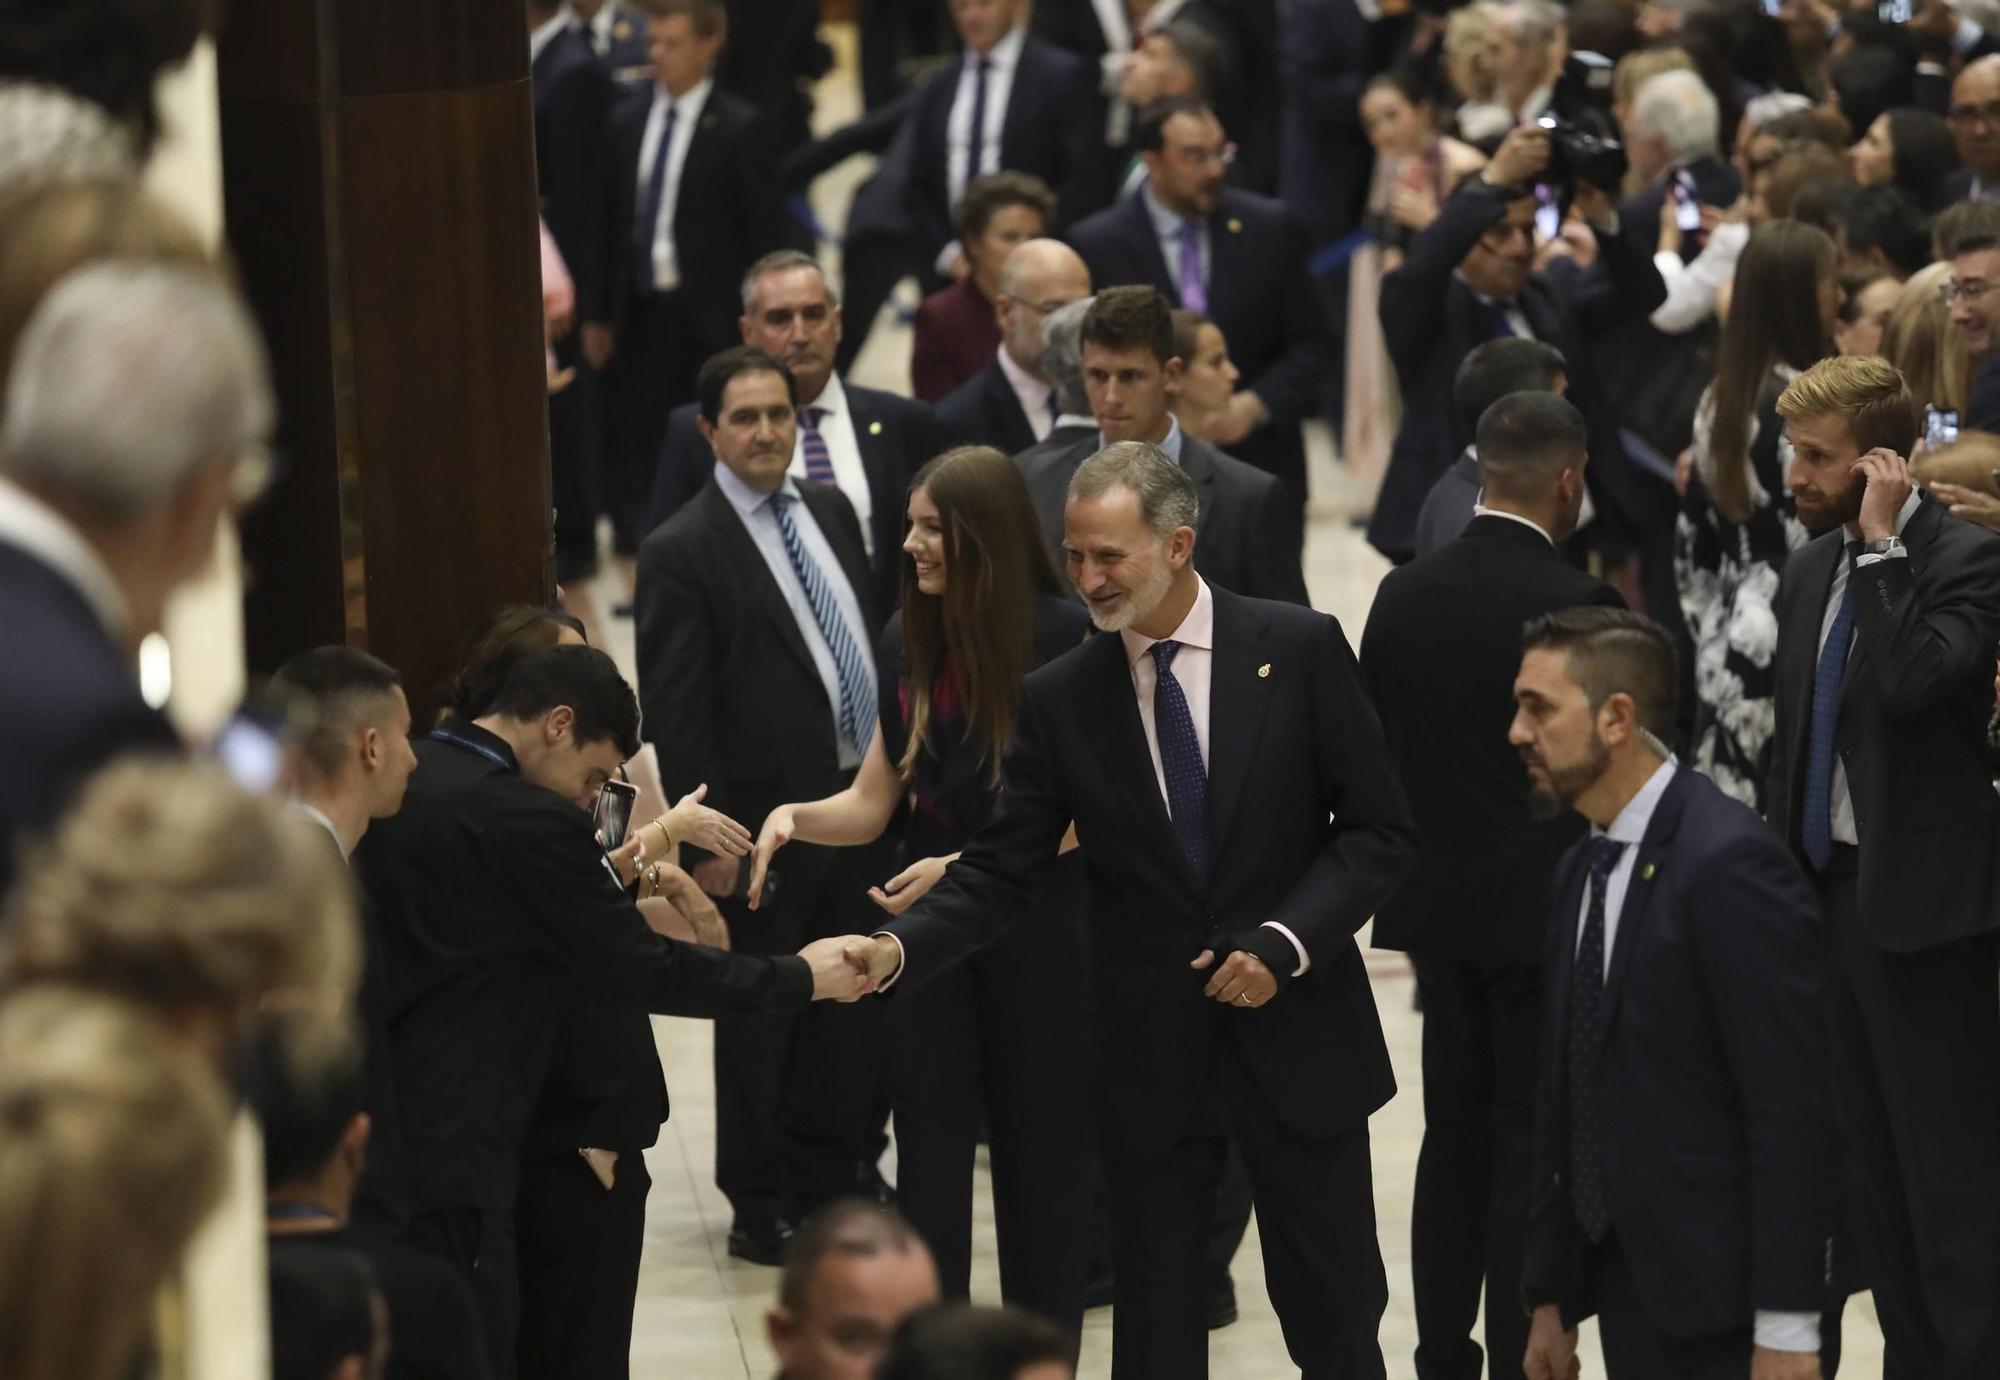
{"x": 907, "y": 887}
{"x": 1242, "y": 980}
{"x": 776, "y": 833}
{"x": 708, "y": 829}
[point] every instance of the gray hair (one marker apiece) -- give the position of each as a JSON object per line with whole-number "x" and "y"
{"x": 130, "y": 379}
{"x": 1166, "y": 495}
{"x": 1679, "y": 110}
{"x": 778, "y": 261}
{"x": 1773, "y": 105}
{"x": 1062, "y": 355}
{"x": 1536, "y": 23}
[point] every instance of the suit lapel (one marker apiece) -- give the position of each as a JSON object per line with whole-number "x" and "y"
{"x": 1798, "y": 660}
{"x": 1144, "y": 246}
{"x": 1225, "y": 261}
{"x": 1634, "y": 914}
{"x": 1240, "y": 679}
{"x": 1121, "y": 747}
{"x": 741, "y": 552}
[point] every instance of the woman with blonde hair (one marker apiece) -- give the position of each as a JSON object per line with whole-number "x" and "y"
{"x": 1921, "y": 340}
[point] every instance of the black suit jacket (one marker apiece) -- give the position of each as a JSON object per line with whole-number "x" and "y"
{"x": 1260, "y": 295}
{"x": 1439, "y": 654}
{"x": 1248, "y": 537}
{"x": 985, "y": 411}
{"x": 1714, "y": 1105}
{"x": 573, "y": 101}
{"x": 1431, "y": 320}
{"x": 1309, "y": 829}
{"x": 728, "y": 213}
{"x": 70, "y": 699}
{"x": 1913, "y": 714}
{"x": 499, "y": 920}
{"x": 897, "y": 437}
{"x": 1982, "y": 409}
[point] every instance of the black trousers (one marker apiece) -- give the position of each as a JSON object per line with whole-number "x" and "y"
{"x": 1916, "y": 1056}
{"x": 480, "y": 1245}
{"x": 1001, "y": 1038}
{"x": 795, "y": 1095}
{"x": 1469, "y": 1219}
{"x": 1316, "y": 1219}
{"x": 652, "y": 371}
{"x": 576, "y": 441}
{"x": 579, "y": 1262}
{"x": 1635, "y": 1349}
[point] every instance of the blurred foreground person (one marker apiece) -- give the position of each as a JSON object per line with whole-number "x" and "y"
{"x": 957, "y": 1342}
{"x": 852, "y": 1273}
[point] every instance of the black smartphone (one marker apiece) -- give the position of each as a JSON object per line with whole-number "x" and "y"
{"x": 614, "y": 812}
{"x": 1687, "y": 210}
{"x": 742, "y": 892}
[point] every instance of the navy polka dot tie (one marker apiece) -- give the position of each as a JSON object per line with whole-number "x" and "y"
{"x": 1180, "y": 757}
{"x": 1586, "y": 1037}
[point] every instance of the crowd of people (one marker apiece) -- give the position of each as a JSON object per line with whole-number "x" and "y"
{"x": 988, "y": 778}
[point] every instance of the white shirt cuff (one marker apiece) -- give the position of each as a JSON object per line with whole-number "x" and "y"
{"x": 1787, "y": 1331}
{"x": 1898, "y": 554}
{"x": 901, "y": 958}
{"x": 1305, "y": 960}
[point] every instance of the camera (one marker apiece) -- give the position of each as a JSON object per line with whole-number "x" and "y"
{"x": 1583, "y": 144}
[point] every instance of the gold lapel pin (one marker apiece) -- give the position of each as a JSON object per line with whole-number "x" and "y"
{"x": 874, "y": 428}
{"x": 1264, "y": 671}
{"x": 622, "y": 30}
{"x": 1235, "y": 226}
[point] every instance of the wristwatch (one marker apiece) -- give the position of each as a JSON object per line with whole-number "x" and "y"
{"x": 1888, "y": 546}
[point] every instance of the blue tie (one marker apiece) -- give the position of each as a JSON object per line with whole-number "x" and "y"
{"x": 1498, "y": 322}
{"x": 1816, "y": 810}
{"x": 819, "y": 461}
{"x": 975, "y": 162}
{"x": 1180, "y": 758}
{"x": 648, "y": 228}
{"x": 856, "y": 675}
{"x": 1586, "y": 1036}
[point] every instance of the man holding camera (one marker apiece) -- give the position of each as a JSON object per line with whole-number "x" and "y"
{"x": 1472, "y": 276}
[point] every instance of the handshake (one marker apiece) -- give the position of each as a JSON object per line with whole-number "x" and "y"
{"x": 849, "y": 967}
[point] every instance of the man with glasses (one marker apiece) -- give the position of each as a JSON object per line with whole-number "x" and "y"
{"x": 1237, "y": 257}
{"x": 1012, "y": 403}
{"x": 1974, "y": 304}
{"x": 1975, "y": 127}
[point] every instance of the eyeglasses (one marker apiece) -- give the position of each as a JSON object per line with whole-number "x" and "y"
{"x": 1988, "y": 114}
{"x": 1038, "y": 308}
{"x": 1201, "y": 158}
{"x": 1971, "y": 291}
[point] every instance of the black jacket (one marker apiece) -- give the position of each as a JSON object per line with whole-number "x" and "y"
{"x": 1439, "y": 655}
{"x": 573, "y": 102}
{"x": 985, "y": 411}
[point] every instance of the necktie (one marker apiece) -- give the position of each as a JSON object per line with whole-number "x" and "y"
{"x": 857, "y": 678}
{"x": 1194, "y": 293}
{"x": 975, "y": 162}
{"x": 1180, "y": 757}
{"x": 819, "y": 462}
{"x": 1816, "y": 810}
{"x": 1055, "y": 409}
{"x": 1586, "y": 1036}
{"x": 648, "y": 228}
{"x": 1499, "y": 324}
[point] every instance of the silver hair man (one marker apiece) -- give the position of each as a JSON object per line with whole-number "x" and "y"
{"x": 1062, "y": 356}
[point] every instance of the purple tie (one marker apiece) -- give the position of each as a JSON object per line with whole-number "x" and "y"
{"x": 819, "y": 463}
{"x": 1194, "y": 296}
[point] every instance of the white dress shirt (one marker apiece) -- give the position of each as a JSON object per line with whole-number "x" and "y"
{"x": 1481, "y": 510}
{"x": 762, "y": 523}
{"x": 1034, "y": 395}
{"x": 843, "y": 448}
{"x": 319, "y": 817}
{"x": 31, "y": 525}
{"x": 1692, "y": 286}
{"x": 1842, "y": 807}
{"x": 1774, "y": 1331}
{"x": 960, "y": 167}
{"x": 687, "y": 111}
{"x": 1193, "y": 667}
{"x": 544, "y": 33}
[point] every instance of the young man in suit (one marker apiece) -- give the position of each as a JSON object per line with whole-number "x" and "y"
{"x": 1684, "y": 1145}
{"x": 694, "y": 204}
{"x": 1440, "y": 651}
{"x": 1975, "y": 100}
{"x": 756, "y": 629}
{"x": 1489, "y": 373}
{"x": 1012, "y": 403}
{"x": 1233, "y": 255}
{"x": 1469, "y": 279}
{"x": 1249, "y": 527}
{"x": 1887, "y": 623}
{"x": 1232, "y": 1002}
{"x": 862, "y": 441}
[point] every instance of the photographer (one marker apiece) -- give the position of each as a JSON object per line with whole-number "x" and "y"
{"x": 1470, "y": 278}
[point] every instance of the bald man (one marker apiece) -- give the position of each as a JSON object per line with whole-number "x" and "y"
{"x": 1011, "y": 403}
{"x": 1975, "y": 125}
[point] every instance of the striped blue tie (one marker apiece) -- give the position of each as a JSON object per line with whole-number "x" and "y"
{"x": 850, "y": 662}
{"x": 1816, "y": 809}
{"x": 819, "y": 460}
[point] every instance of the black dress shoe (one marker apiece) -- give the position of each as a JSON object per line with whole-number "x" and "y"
{"x": 761, "y": 1241}
{"x": 1222, "y": 1304}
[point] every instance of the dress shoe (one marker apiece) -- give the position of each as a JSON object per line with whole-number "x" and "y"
{"x": 1222, "y": 1304}
{"x": 759, "y": 1240}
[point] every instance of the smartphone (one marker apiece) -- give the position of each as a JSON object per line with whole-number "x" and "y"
{"x": 252, "y": 748}
{"x": 1687, "y": 210}
{"x": 1940, "y": 427}
{"x": 1895, "y": 11}
{"x": 1774, "y": 8}
{"x": 614, "y": 812}
{"x": 1548, "y": 212}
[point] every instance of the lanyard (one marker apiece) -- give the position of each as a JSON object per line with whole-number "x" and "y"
{"x": 444, "y": 735}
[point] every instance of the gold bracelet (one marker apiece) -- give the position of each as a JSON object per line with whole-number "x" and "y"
{"x": 660, "y": 822}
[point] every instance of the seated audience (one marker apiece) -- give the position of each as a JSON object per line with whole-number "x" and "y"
{"x": 327, "y": 1316}
{"x": 852, "y": 1273}
{"x": 958, "y": 1342}
{"x": 957, "y": 330}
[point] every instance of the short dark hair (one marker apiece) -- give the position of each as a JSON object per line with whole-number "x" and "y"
{"x": 584, "y": 679}
{"x": 322, "y": 1307}
{"x": 303, "y": 1113}
{"x": 851, "y": 1227}
{"x": 1489, "y": 372}
{"x": 1149, "y": 132}
{"x": 717, "y": 374}
{"x": 709, "y": 17}
{"x": 1975, "y": 242}
{"x": 1196, "y": 50}
{"x": 1525, "y": 440}
{"x": 1187, "y": 332}
{"x": 1614, "y": 652}
{"x": 495, "y": 647}
{"x": 1885, "y": 218}
{"x": 957, "y": 1341}
{"x": 986, "y": 197}
{"x": 1134, "y": 317}
{"x": 329, "y": 690}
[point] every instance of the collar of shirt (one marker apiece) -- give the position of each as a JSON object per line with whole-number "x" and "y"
{"x": 463, "y": 733}
{"x": 832, "y": 399}
{"x": 1033, "y": 392}
{"x": 1196, "y": 630}
{"x": 744, "y": 499}
{"x": 1076, "y": 419}
{"x": 1481, "y": 510}
{"x": 602, "y": 22}
{"x": 1166, "y": 224}
{"x": 42, "y": 532}
{"x": 687, "y": 105}
{"x": 1538, "y": 101}
{"x": 544, "y": 33}
{"x": 1637, "y": 816}
{"x": 1171, "y": 445}
{"x": 319, "y": 817}
{"x": 1004, "y": 55}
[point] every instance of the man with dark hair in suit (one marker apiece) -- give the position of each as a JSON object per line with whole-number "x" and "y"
{"x": 1684, "y": 1140}
{"x": 1887, "y": 622}
{"x": 1249, "y": 527}
{"x": 1439, "y": 654}
{"x": 1239, "y": 818}
{"x": 1975, "y": 100}
{"x": 1492, "y": 371}
{"x": 756, "y": 629}
{"x": 1237, "y": 257}
{"x": 1012, "y": 403}
{"x": 694, "y": 204}
{"x": 862, "y": 441}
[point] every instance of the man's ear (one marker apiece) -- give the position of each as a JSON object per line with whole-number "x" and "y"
{"x": 354, "y": 1140}
{"x": 371, "y": 748}
{"x": 1176, "y": 370}
{"x": 706, "y": 428}
{"x": 1181, "y": 547}
{"x": 560, "y": 721}
{"x": 1618, "y": 718}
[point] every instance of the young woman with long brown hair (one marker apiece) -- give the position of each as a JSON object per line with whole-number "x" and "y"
{"x": 1003, "y": 1038}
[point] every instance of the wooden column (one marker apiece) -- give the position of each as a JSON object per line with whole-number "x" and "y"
{"x": 379, "y": 198}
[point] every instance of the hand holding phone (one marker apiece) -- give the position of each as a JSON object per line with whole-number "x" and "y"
{"x": 614, "y": 813}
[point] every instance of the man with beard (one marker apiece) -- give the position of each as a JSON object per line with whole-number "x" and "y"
{"x": 1683, "y": 1128}
{"x": 1886, "y": 630}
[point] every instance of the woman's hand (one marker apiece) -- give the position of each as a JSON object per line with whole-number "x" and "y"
{"x": 681, "y": 910}
{"x": 1969, "y": 504}
{"x": 1413, "y": 205}
{"x": 776, "y": 833}
{"x": 625, "y": 859}
{"x": 908, "y": 886}
{"x": 712, "y": 831}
